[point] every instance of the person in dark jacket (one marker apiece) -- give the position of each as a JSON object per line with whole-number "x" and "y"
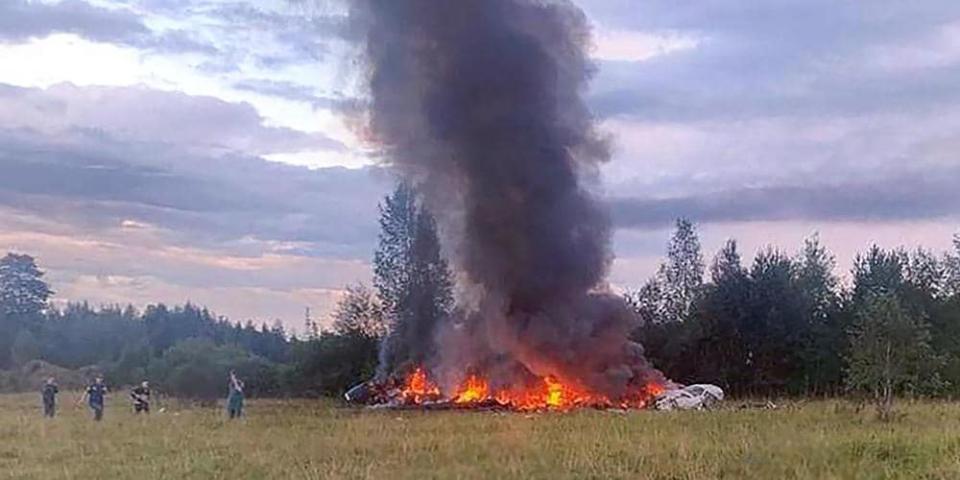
{"x": 141, "y": 398}
{"x": 95, "y": 396}
{"x": 49, "y": 395}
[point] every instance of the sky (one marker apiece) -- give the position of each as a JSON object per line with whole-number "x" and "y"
{"x": 211, "y": 151}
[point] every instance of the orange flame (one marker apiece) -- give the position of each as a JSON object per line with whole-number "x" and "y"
{"x": 418, "y": 388}
{"x": 474, "y": 389}
{"x": 549, "y": 393}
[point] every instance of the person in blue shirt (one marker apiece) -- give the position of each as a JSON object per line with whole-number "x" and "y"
{"x": 49, "y": 396}
{"x": 95, "y": 396}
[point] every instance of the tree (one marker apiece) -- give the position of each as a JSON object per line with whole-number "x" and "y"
{"x": 391, "y": 260}
{"x": 824, "y": 336}
{"x": 774, "y": 323}
{"x": 310, "y": 328}
{"x": 23, "y": 299}
{"x": 708, "y": 345}
{"x": 25, "y": 348}
{"x": 23, "y": 293}
{"x": 926, "y": 274}
{"x": 890, "y": 352}
{"x": 359, "y": 312}
{"x": 952, "y": 267}
{"x": 878, "y": 273}
{"x": 197, "y": 369}
{"x": 332, "y": 363}
{"x": 413, "y": 280}
{"x": 670, "y": 295}
{"x": 647, "y": 302}
{"x": 682, "y": 275}
{"x": 721, "y": 350}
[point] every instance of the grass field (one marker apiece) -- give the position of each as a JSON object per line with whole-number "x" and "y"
{"x": 310, "y": 439}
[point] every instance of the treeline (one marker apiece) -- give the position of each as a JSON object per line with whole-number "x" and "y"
{"x": 183, "y": 350}
{"x": 169, "y": 344}
{"x": 187, "y": 351}
{"x": 787, "y": 324}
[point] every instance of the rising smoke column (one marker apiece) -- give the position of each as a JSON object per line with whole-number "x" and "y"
{"x": 479, "y": 104}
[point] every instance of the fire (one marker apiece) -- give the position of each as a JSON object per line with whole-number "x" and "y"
{"x": 550, "y": 393}
{"x": 554, "y": 396}
{"x": 474, "y": 389}
{"x": 655, "y": 389}
{"x": 546, "y": 393}
{"x": 418, "y": 388}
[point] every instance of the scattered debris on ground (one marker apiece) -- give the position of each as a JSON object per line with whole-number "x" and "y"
{"x": 692, "y": 397}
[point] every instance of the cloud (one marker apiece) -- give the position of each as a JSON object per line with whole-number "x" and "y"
{"x": 633, "y": 46}
{"x": 792, "y": 111}
{"x": 931, "y": 196}
{"x": 96, "y": 182}
{"x": 782, "y": 57}
{"x": 270, "y": 35}
{"x": 297, "y": 93}
{"x": 22, "y": 20}
{"x": 138, "y": 263}
{"x": 137, "y": 195}
{"x": 146, "y": 115}
{"x": 97, "y": 157}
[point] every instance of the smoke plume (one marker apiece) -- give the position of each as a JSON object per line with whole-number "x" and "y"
{"x": 479, "y": 103}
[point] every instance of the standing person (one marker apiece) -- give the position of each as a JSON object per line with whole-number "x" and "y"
{"x": 49, "y": 395}
{"x": 235, "y": 397}
{"x": 141, "y": 398}
{"x": 95, "y": 395}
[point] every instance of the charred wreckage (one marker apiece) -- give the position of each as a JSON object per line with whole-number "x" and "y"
{"x": 417, "y": 391}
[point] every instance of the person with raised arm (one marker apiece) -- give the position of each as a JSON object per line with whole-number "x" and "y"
{"x": 235, "y": 397}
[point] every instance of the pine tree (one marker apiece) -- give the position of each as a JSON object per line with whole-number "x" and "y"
{"x": 412, "y": 278}
{"x": 392, "y": 259}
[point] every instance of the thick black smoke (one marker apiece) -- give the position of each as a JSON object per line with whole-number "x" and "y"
{"x": 479, "y": 103}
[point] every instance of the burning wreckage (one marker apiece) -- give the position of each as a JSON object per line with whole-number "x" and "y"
{"x": 419, "y": 392}
{"x": 478, "y": 105}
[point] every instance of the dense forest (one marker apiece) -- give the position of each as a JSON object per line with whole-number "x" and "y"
{"x": 786, "y": 324}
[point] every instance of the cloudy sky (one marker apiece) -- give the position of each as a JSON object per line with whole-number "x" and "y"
{"x": 206, "y": 150}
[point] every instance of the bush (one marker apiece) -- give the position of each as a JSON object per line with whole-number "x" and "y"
{"x": 331, "y": 364}
{"x": 198, "y": 369}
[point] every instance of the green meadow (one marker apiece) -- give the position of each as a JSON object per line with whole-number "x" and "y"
{"x": 303, "y": 439}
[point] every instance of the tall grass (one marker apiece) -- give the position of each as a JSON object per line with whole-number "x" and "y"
{"x": 311, "y": 439}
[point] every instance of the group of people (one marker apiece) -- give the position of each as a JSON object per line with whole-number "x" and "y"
{"x": 95, "y": 394}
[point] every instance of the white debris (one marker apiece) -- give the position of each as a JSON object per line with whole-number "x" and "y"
{"x": 692, "y": 397}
